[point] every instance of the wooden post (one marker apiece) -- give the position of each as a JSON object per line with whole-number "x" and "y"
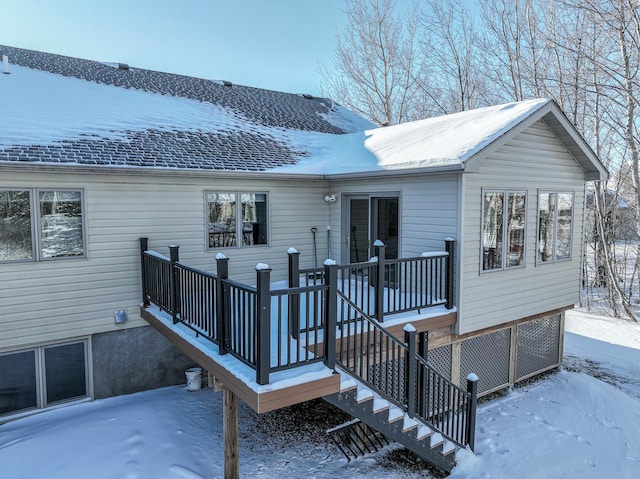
{"x": 144, "y": 246}
{"x": 450, "y": 246}
{"x": 263, "y": 324}
{"x": 380, "y": 252}
{"x": 174, "y": 295}
{"x": 330, "y": 313}
{"x": 294, "y": 299}
{"x": 222, "y": 303}
{"x": 410, "y": 368}
{"x": 231, "y": 442}
{"x": 472, "y": 389}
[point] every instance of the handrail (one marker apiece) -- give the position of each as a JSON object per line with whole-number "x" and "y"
{"x": 406, "y": 379}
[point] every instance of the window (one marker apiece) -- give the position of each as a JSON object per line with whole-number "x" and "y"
{"x": 503, "y": 229}
{"x": 51, "y": 226}
{"x": 223, "y": 212}
{"x": 43, "y": 376}
{"x": 555, "y": 218}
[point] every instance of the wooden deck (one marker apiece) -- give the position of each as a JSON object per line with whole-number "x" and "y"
{"x": 264, "y": 399}
{"x": 261, "y": 399}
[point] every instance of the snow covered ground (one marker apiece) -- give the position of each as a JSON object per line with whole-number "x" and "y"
{"x": 581, "y": 422}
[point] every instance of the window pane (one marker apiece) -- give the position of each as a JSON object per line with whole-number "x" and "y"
{"x": 18, "y": 382}
{"x": 254, "y": 218}
{"x": 515, "y": 229}
{"x": 222, "y": 219}
{"x": 565, "y": 213}
{"x": 546, "y": 226}
{"x": 61, "y": 224}
{"x": 15, "y": 226}
{"x": 492, "y": 230}
{"x": 65, "y": 372}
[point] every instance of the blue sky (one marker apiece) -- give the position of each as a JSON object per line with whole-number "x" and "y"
{"x": 274, "y": 44}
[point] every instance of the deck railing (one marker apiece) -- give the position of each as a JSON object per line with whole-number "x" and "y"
{"x": 328, "y": 318}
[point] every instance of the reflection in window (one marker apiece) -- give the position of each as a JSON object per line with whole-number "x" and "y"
{"x": 55, "y": 217}
{"x": 222, "y": 219}
{"x": 61, "y": 224}
{"x": 503, "y": 229}
{"x": 492, "y": 230}
{"x": 15, "y": 226}
{"x": 225, "y": 230}
{"x": 254, "y": 218}
{"x": 555, "y": 216}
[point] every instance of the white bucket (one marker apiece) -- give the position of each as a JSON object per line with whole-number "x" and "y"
{"x": 194, "y": 379}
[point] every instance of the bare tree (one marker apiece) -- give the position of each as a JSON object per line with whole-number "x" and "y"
{"x": 376, "y": 63}
{"x": 450, "y": 42}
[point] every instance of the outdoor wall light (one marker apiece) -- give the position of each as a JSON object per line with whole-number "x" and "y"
{"x": 330, "y": 198}
{"x": 120, "y": 316}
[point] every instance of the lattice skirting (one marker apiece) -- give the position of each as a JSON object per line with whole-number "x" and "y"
{"x": 503, "y": 357}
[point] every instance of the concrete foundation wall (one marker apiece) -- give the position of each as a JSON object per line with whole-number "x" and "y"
{"x": 135, "y": 360}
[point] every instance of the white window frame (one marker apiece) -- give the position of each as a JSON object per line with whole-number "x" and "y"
{"x": 554, "y": 258}
{"x": 36, "y": 225}
{"x": 238, "y": 233}
{"x": 505, "y": 229}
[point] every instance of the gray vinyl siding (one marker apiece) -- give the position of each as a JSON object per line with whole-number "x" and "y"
{"x": 53, "y": 300}
{"x": 534, "y": 160}
{"x": 428, "y": 209}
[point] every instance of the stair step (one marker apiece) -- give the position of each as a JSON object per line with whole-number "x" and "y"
{"x": 395, "y": 414}
{"x": 380, "y": 405}
{"x": 424, "y": 432}
{"x": 364, "y": 394}
{"x": 347, "y": 383}
{"x": 409, "y": 424}
{"x": 448, "y": 448}
{"x": 437, "y": 441}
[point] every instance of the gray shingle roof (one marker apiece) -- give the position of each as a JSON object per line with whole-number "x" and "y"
{"x": 250, "y": 150}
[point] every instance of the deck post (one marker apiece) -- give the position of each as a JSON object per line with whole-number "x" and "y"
{"x": 230, "y": 430}
{"x": 330, "y": 313}
{"x": 450, "y": 246}
{"x": 222, "y": 303}
{"x": 472, "y": 389}
{"x": 380, "y": 252}
{"x": 174, "y": 295}
{"x": 294, "y": 299}
{"x": 144, "y": 246}
{"x": 410, "y": 368}
{"x": 263, "y": 323}
{"x": 423, "y": 352}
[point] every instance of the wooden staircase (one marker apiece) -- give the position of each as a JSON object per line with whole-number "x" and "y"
{"x": 356, "y": 399}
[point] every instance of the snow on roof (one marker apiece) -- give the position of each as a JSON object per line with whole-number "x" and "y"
{"x": 435, "y": 142}
{"x": 61, "y": 118}
{"x": 43, "y": 108}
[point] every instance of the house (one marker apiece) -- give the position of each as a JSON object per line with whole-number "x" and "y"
{"x": 95, "y": 156}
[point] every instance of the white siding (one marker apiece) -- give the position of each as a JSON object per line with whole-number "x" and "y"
{"x": 533, "y": 160}
{"x": 53, "y": 300}
{"x": 428, "y": 209}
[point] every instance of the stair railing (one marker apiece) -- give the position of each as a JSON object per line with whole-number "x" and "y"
{"x": 398, "y": 374}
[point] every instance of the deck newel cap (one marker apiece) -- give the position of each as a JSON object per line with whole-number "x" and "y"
{"x": 409, "y": 328}
{"x": 262, "y": 267}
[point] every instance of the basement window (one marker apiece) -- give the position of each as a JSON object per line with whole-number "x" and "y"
{"x": 42, "y": 377}
{"x": 236, "y": 219}
{"x": 39, "y": 224}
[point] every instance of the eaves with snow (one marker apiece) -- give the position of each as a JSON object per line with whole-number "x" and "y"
{"x": 57, "y": 110}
